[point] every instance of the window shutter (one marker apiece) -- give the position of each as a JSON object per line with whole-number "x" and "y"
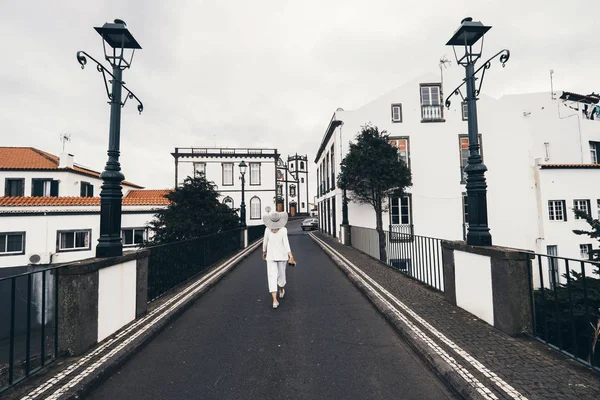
{"x": 54, "y": 189}
{"x": 37, "y": 188}
{"x": 564, "y": 208}
{"x": 6, "y": 188}
{"x": 82, "y": 189}
{"x": 90, "y": 190}
{"x": 21, "y": 188}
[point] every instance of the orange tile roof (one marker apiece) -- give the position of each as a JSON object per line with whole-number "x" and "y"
{"x": 29, "y": 158}
{"x": 145, "y": 194}
{"x": 75, "y": 201}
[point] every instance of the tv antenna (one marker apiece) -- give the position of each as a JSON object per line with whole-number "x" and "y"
{"x": 444, "y": 62}
{"x": 64, "y": 138}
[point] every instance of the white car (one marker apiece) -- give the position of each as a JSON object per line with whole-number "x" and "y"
{"x": 310, "y": 224}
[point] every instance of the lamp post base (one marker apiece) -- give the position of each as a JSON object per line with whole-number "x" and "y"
{"x": 108, "y": 250}
{"x": 479, "y": 238}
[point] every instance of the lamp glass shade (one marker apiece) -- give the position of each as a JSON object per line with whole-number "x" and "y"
{"x": 468, "y": 34}
{"x": 243, "y": 167}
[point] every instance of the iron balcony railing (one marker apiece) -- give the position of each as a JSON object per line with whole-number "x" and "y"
{"x": 566, "y": 306}
{"x": 432, "y": 113}
{"x": 172, "y": 264}
{"x": 419, "y": 257}
{"x": 28, "y": 324}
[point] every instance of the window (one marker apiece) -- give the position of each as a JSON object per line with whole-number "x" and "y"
{"x": 302, "y": 165}
{"x": 303, "y": 205}
{"x": 402, "y": 264}
{"x": 556, "y": 210}
{"x": 279, "y": 175}
{"x": 292, "y": 190}
{"x": 228, "y": 201}
{"x": 199, "y": 168}
{"x": 44, "y": 188}
{"x": 465, "y": 111}
{"x": 255, "y": 173}
{"x": 133, "y": 236}
{"x": 14, "y": 187}
{"x": 279, "y": 190}
{"x": 553, "y": 275}
{"x": 402, "y": 145}
{"x": 73, "y": 240}
{"x": 332, "y": 167}
{"x": 582, "y": 205}
{"x": 255, "y": 208}
{"x": 12, "y": 243}
{"x": 598, "y": 207}
{"x": 396, "y": 112}
{"x": 594, "y": 149}
{"x": 301, "y": 180}
{"x": 400, "y": 210}
{"x": 87, "y": 189}
{"x": 464, "y": 155}
{"x": 227, "y": 174}
{"x": 585, "y": 250}
{"x": 431, "y": 108}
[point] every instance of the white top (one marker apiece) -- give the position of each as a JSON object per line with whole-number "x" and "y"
{"x": 276, "y": 245}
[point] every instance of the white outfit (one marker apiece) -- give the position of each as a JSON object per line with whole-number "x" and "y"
{"x": 277, "y": 247}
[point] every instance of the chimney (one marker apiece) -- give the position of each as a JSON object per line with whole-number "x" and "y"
{"x": 65, "y": 160}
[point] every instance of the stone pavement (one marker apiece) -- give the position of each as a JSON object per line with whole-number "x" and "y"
{"x": 509, "y": 367}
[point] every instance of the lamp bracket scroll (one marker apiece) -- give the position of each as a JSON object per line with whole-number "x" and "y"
{"x": 504, "y": 56}
{"x": 82, "y": 57}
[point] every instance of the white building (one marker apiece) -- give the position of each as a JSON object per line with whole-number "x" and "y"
{"x": 269, "y": 181}
{"x": 49, "y": 213}
{"x": 541, "y": 151}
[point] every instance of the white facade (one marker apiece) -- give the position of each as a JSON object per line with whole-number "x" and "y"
{"x": 42, "y": 227}
{"x": 269, "y": 182}
{"x": 526, "y": 142}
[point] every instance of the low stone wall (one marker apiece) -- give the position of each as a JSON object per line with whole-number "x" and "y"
{"x": 98, "y": 297}
{"x": 492, "y": 283}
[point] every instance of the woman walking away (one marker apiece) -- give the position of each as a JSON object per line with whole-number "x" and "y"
{"x": 277, "y": 252}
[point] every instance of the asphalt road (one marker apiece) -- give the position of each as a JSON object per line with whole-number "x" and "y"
{"x": 325, "y": 341}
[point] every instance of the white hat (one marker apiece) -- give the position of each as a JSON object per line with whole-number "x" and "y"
{"x": 274, "y": 219}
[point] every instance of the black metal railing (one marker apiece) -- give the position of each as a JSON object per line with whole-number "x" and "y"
{"x": 28, "y": 324}
{"x": 172, "y": 264}
{"x": 255, "y": 232}
{"x": 419, "y": 257}
{"x": 566, "y": 306}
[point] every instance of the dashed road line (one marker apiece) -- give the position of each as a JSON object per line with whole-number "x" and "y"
{"x": 368, "y": 281}
{"x": 177, "y": 300}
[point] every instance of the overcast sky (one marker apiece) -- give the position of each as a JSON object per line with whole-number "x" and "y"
{"x": 263, "y": 73}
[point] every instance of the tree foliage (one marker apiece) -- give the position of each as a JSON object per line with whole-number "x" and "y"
{"x": 372, "y": 171}
{"x": 194, "y": 211}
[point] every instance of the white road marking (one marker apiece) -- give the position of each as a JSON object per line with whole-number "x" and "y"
{"x": 505, "y": 387}
{"x": 177, "y": 299}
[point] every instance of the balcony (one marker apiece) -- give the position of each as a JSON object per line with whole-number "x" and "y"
{"x": 432, "y": 113}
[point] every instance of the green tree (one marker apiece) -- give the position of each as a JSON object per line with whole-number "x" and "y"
{"x": 372, "y": 171}
{"x": 194, "y": 211}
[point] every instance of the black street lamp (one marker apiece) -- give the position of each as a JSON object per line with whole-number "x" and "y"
{"x": 243, "y": 167}
{"x": 118, "y": 38}
{"x": 467, "y": 35}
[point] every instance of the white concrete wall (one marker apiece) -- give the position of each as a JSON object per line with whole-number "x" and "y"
{"x": 69, "y": 182}
{"x": 41, "y": 234}
{"x": 116, "y": 297}
{"x": 473, "y": 282}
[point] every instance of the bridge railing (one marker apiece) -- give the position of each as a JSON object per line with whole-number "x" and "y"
{"x": 419, "y": 257}
{"x": 28, "y": 324}
{"x": 172, "y": 264}
{"x": 566, "y": 306}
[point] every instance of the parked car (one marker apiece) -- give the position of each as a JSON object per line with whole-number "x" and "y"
{"x": 310, "y": 224}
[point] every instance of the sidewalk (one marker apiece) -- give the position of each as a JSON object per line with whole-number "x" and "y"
{"x": 512, "y": 368}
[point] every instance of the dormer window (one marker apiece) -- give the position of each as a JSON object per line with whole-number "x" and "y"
{"x": 396, "y": 112}
{"x": 431, "y": 103}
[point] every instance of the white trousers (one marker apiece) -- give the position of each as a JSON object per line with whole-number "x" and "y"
{"x": 276, "y": 274}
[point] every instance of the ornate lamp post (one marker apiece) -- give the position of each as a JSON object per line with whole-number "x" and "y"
{"x": 118, "y": 38}
{"x": 243, "y": 167}
{"x": 467, "y": 35}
